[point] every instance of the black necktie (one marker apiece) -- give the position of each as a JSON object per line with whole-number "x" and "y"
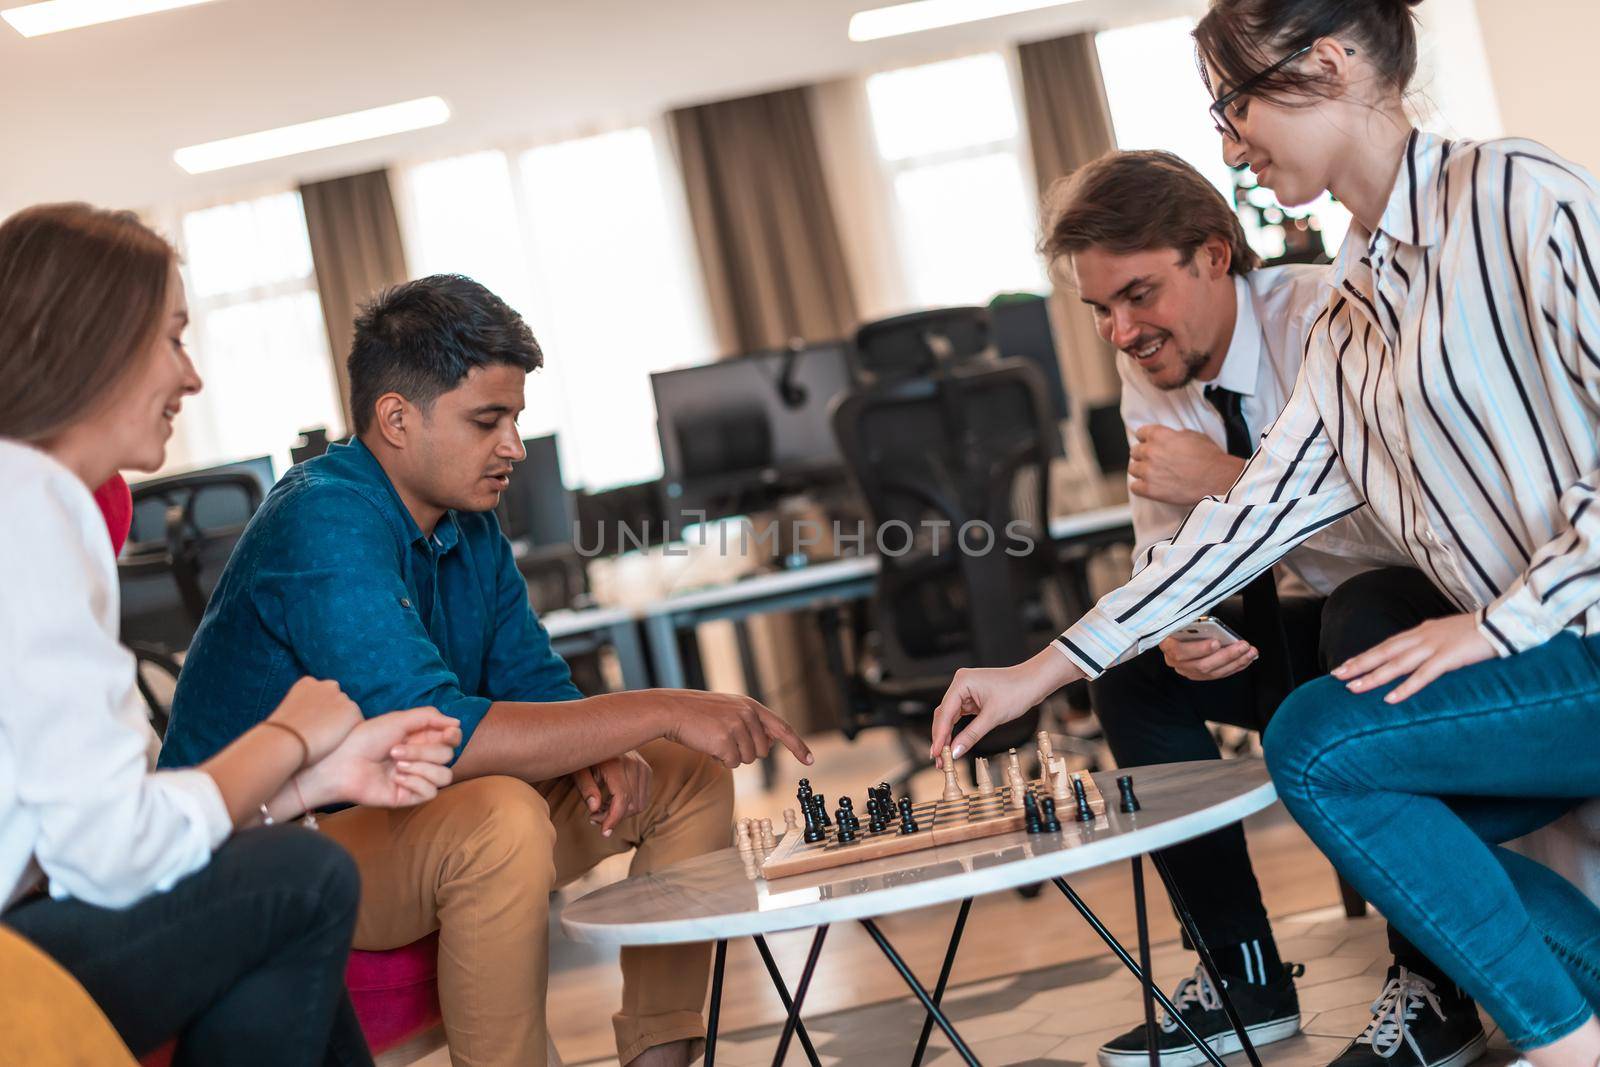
{"x": 1263, "y": 620}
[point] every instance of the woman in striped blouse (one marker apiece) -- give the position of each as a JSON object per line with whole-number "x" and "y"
{"x": 1452, "y": 385}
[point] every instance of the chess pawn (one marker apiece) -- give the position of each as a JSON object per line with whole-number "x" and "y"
{"x": 819, "y": 804}
{"x": 745, "y": 845}
{"x": 844, "y": 819}
{"x": 908, "y": 818}
{"x": 814, "y": 829}
{"x": 768, "y": 841}
{"x": 952, "y": 788}
{"x": 1030, "y": 814}
{"x": 1047, "y": 815}
{"x": 847, "y": 814}
{"x": 984, "y": 778}
{"x": 1128, "y": 802}
{"x": 789, "y": 825}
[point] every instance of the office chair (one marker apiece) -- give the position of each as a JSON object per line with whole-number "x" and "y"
{"x": 917, "y": 343}
{"x": 184, "y": 530}
{"x": 966, "y": 444}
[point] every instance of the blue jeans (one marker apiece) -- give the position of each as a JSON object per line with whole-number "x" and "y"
{"x": 1410, "y": 802}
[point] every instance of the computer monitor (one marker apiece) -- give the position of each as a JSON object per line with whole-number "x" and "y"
{"x": 739, "y": 430}
{"x": 1021, "y": 327}
{"x": 536, "y": 508}
{"x": 211, "y": 510}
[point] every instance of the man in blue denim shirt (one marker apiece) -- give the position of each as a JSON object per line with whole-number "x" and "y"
{"x": 380, "y": 565}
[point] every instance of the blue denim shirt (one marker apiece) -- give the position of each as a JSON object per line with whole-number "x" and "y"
{"x": 334, "y": 579}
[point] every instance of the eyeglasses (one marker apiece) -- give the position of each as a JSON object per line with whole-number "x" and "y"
{"x": 1219, "y": 107}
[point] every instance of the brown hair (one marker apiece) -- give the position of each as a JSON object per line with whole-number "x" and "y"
{"x": 82, "y": 292}
{"x": 1237, "y": 38}
{"x": 1128, "y": 202}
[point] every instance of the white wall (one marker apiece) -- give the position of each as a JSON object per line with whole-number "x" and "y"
{"x": 1542, "y": 61}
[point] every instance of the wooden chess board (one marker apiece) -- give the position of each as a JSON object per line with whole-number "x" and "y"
{"x": 939, "y": 822}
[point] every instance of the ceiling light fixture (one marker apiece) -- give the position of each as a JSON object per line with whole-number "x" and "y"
{"x": 53, "y": 16}
{"x": 922, "y": 15}
{"x": 311, "y": 136}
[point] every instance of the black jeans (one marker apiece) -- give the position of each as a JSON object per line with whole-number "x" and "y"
{"x": 243, "y": 960}
{"x": 1152, "y": 714}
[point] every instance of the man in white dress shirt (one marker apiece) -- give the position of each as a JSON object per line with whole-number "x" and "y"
{"x": 1209, "y": 346}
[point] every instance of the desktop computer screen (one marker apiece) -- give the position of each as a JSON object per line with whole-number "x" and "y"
{"x": 536, "y": 507}
{"x": 739, "y": 425}
{"x": 1021, "y": 327}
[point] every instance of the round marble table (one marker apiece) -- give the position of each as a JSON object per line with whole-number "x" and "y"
{"x": 716, "y": 896}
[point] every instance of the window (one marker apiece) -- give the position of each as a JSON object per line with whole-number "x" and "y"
{"x": 949, "y": 137}
{"x": 1158, "y": 100}
{"x": 257, "y": 334}
{"x": 588, "y": 240}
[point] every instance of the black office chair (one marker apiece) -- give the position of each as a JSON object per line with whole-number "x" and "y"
{"x": 918, "y": 343}
{"x": 183, "y": 532}
{"x": 968, "y": 443}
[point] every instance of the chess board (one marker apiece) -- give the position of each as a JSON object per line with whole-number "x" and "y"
{"x": 939, "y": 822}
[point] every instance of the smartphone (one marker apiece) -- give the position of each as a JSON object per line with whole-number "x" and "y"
{"x": 1209, "y": 628}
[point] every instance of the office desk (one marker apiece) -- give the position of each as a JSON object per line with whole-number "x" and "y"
{"x": 670, "y": 624}
{"x": 577, "y": 632}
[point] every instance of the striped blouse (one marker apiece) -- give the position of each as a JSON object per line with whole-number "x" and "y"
{"x": 1452, "y": 385}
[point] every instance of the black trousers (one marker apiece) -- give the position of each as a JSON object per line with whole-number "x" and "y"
{"x": 1151, "y": 714}
{"x": 243, "y": 960}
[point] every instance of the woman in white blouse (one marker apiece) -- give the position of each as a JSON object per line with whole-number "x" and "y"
{"x": 140, "y": 883}
{"x": 1451, "y": 386}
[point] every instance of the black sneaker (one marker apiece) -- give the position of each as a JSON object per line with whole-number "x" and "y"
{"x": 1269, "y": 1013}
{"x": 1416, "y": 1023}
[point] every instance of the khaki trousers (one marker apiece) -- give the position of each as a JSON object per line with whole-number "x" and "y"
{"x": 478, "y": 864}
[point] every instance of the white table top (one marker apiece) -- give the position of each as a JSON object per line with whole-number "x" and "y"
{"x": 1081, "y": 523}
{"x": 714, "y": 897}
{"x": 566, "y": 622}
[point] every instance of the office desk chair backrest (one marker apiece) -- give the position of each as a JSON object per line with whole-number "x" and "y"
{"x": 916, "y": 344}
{"x": 964, "y": 449}
{"x": 184, "y": 530}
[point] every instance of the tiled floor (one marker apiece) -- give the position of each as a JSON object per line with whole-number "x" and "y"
{"x": 1060, "y": 1015}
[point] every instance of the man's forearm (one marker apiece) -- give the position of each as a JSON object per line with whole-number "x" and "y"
{"x": 538, "y": 742}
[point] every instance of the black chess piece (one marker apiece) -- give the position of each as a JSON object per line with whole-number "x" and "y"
{"x": 847, "y": 813}
{"x": 1085, "y": 812}
{"x": 819, "y": 804}
{"x": 814, "y": 831}
{"x": 1030, "y": 813}
{"x": 877, "y": 818}
{"x": 908, "y": 818}
{"x": 1130, "y": 803}
{"x": 845, "y": 820}
{"x": 1047, "y": 815}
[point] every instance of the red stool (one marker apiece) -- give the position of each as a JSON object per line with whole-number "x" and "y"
{"x": 395, "y": 994}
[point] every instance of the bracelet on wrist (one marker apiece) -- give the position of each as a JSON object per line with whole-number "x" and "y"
{"x": 305, "y": 748}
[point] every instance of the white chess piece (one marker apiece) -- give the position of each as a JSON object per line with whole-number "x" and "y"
{"x": 745, "y": 844}
{"x": 952, "y": 788}
{"x": 1046, "y": 752}
{"x": 768, "y": 842}
{"x": 984, "y": 778}
{"x": 789, "y": 823}
{"x": 1061, "y": 782}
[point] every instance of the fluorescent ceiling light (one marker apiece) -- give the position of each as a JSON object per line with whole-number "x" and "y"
{"x": 922, "y": 15}
{"x": 310, "y": 136}
{"x": 53, "y": 16}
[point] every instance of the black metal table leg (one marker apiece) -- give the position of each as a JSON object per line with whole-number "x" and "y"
{"x": 922, "y": 994}
{"x": 1127, "y": 961}
{"x": 944, "y": 978}
{"x": 716, "y": 1003}
{"x": 1206, "y": 961}
{"x": 793, "y": 1020}
{"x": 783, "y": 995}
{"x": 1148, "y": 979}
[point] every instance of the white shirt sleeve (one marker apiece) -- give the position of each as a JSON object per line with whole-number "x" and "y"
{"x": 106, "y": 830}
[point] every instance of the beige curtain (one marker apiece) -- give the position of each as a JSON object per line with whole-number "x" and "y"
{"x": 356, "y": 249}
{"x": 1069, "y": 124}
{"x": 765, "y": 229}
